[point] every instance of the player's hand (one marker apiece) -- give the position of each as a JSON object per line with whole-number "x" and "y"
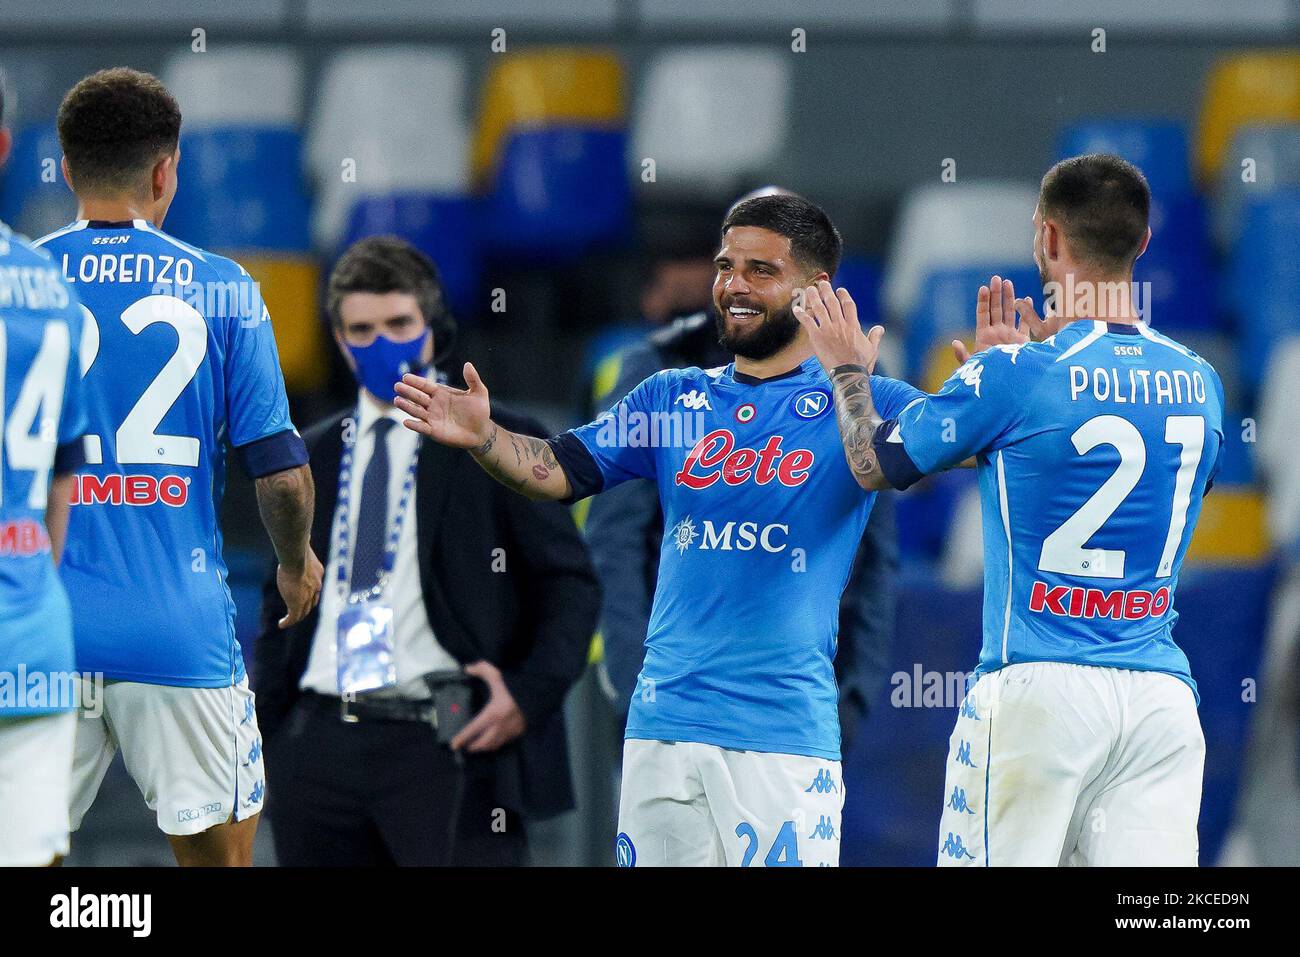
{"x": 500, "y": 721}
{"x": 831, "y": 318}
{"x": 996, "y": 308}
{"x": 456, "y": 417}
{"x": 300, "y": 588}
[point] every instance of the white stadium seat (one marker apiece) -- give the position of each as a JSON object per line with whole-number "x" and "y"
{"x": 400, "y": 113}
{"x": 240, "y": 85}
{"x": 956, "y": 224}
{"x": 687, "y": 117}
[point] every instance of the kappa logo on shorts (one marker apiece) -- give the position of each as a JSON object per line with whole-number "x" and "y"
{"x": 823, "y": 783}
{"x": 968, "y": 709}
{"x": 958, "y": 801}
{"x": 624, "y": 851}
{"x": 963, "y": 755}
{"x": 824, "y": 831}
{"x": 196, "y": 813}
{"x": 254, "y": 753}
{"x": 255, "y": 796}
{"x": 954, "y": 848}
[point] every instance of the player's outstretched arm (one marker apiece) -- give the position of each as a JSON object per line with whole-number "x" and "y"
{"x": 849, "y": 356}
{"x": 286, "y": 500}
{"x": 461, "y": 418}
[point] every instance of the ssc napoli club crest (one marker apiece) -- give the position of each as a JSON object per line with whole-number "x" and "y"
{"x": 810, "y": 404}
{"x": 624, "y": 852}
{"x": 746, "y": 413}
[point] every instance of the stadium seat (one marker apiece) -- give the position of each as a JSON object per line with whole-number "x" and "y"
{"x": 564, "y": 87}
{"x": 241, "y": 184}
{"x": 1264, "y": 279}
{"x": 948, "y": 225}
{"x": 945, "y": 311}
{"x": 686, "y": 118}
{"x": 557, "y": 193}
{"x": 1158, "y": 147}
{"x": 1275, "y": 154}
{"x": 34, "y": 199}
{"x": 364, "y": 141}
{"x": 445, "y": 227}
{"x": 290, "y": 287}
{"x": 1258, "y": 87}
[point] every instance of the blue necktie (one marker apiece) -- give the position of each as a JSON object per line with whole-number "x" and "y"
{"x": 372, "y": 517}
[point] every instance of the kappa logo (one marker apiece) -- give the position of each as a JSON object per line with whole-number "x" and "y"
{"x": 809, "y": 405}
{"x": 970, "y": 374}
{"x": 694, "y": 400}
{"x": 958, "y": 801}
{"x": 954, "y": 847}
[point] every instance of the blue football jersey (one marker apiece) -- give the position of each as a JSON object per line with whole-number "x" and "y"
{"x": 178, "y": 357}
{"x": 42, "y": 417}
{"x": 762, "y": 519}
{"x": 1094, "y": 451}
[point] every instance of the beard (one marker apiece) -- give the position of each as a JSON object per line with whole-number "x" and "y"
{"x": 763, "y": 339}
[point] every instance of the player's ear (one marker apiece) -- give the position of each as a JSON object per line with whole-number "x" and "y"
{"x": 6, "y": 142}
{"x": 1146, "y": 241}
{"x": 1051, "y": 240}
{"x": 67, "y": 173}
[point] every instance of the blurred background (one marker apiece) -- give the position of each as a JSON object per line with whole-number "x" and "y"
{"x": 567, "y": 162}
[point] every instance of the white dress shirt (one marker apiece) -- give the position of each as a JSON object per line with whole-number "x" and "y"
{"x": 415, "y": 649}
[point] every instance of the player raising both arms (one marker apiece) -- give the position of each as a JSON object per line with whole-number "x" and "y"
{"x": 1079, "y": 743}
{"x": 178, "y": 357}
{"x": 733, "y": 744}
{"x": 42, "y": 419}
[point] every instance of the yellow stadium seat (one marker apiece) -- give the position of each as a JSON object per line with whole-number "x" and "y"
{"x": 290, "y": 288}
{"x": 940, "y": 364}
{"x": 546, "y": 87}
{"x": 1231, "y": 529}
{"x": 1260, "y": 87}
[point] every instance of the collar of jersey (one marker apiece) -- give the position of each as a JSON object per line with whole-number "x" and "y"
{"x": 111, "y": 224}
{"x": 809, "y": 365}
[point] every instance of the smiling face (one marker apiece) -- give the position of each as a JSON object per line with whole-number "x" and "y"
{"x": 752, "y": 293}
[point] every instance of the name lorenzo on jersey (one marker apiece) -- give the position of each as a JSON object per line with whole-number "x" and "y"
{"x": 716, "y": 456}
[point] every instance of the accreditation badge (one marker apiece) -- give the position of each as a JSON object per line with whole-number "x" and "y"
{"x": 365, "y": 647}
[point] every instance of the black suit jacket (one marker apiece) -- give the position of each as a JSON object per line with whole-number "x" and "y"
{"x": 504, "y": 579}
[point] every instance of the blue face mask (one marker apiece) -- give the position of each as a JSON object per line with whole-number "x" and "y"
{"x": 384, "y": 362}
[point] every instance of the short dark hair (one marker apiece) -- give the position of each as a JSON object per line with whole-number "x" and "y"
{"x": 114, "y": 125}
{"x": 1103, "y": 203}
{"x": 383, "y": 264}
{"x": 814, "y": 240}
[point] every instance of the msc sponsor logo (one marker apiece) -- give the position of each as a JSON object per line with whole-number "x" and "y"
{"x": 172, "y": 490}
{"x": 716, "y": 457}
{"x": 23, "y": 538}
{"x": 730, "y": 536}
{"x": 1078, "y": 602}
{"x": 809, "y": 405}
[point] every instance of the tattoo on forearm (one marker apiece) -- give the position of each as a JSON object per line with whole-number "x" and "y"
{"x": 534, "y": 463}
{"x": 286, "y": 501}
{"x": 858, "y": 419}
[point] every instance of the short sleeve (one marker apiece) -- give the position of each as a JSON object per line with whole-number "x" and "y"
{"x": 974, "y": 411}
{"x": 620, "y": 440}
{"x": 256, "y": 404}
{"x": 892, "y": 396}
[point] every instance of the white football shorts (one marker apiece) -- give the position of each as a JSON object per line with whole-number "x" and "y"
{"x": 195, "y": 753}
{"x": 1054, "y": 764}
{"x": 35, "y": 782}
{"x": 685, "y": 804}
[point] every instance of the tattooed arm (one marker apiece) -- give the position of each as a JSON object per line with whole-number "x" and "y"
{"x": 285, "y": 500}
{"x": 858, "y": 420}
{"x": 460, "y": 418}
{"x": 522, "y": 463}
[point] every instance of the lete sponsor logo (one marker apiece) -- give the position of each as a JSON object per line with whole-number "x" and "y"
{"x": 716, "y": 457}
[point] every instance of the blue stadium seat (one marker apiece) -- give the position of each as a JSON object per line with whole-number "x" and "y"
{"x": 945, "y": 308}
{"x": 1158, "y": 147}
{"x": 861, "y": 276}
{"x": 1264, "y": 279}
{"x": 445, "y": 228}
{"x": 34, "y": 199}
{"x": 241, "y": 188}
{"x": 557, "y": 193}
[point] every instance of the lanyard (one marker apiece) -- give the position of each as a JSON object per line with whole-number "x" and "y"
{"x": 343, "y": 525}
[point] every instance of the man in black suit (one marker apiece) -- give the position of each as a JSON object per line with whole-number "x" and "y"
{"x": 434, "y": 569}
